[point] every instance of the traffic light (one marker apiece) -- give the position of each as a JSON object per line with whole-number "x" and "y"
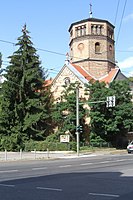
{"x": 79, "y": 129}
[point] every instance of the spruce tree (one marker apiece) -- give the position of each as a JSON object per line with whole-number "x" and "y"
{"x": 27, "y": 100}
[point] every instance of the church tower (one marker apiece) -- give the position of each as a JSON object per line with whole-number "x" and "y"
{"x": 92, "y": 45}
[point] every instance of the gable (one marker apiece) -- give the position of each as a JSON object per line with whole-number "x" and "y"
{"x": 70, "y": 72}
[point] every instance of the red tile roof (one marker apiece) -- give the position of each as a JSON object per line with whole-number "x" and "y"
{"x": 83, "y": 72}
{"x": 107, "y": 78}
{"x": 48, "y": 82}
{"x": 110, "y": 76}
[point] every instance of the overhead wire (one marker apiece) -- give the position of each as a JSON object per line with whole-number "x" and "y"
{"x": 63, "y": 54}
{"x": 116, "y": 12}
{"x": 121, "y": 21}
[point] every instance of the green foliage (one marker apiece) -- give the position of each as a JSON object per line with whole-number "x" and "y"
{"x": 130, "y": 79}
{"x": 64, "y": 112}
{"x": 51, "y": 146}
{"x": 94, "y": 138}
{"x": 10, "y": 143}
{"x": 0, "y": 73}
{"x": 73, "y": 146}
{"x": 26, "y": 104}
{"x": 55, "y": 137}
{"x": 114, "y": 122}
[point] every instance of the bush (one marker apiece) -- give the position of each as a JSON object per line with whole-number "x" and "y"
{"x": 73, "y": 146}
{"x": 10, "y": 143}
{"x": 53, "y": 137}
{"x": 44, "y": 145}
{"x": 94, "y": 138}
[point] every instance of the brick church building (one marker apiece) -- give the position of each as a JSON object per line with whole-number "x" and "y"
{"x": 91, "y": 56}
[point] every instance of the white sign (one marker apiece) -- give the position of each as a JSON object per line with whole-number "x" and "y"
{"x": 64, "y": 138}
{"x": 110, "y": 101}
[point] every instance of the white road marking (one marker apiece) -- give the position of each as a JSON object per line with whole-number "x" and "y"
{"x": 9, "y": 171}
{"x": 39, "y": 168}
{"x": 104, "y": 162}
{"x": 120, "y": 160}
{"x": 63, "y": 166}
{"x": 5, "y": 185}
{"x": 53, "y": 189}
{"x": 105, "y": 195}
{"x": 86, "y": 164}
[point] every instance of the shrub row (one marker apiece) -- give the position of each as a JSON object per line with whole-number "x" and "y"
{"x": 51, "y": 146}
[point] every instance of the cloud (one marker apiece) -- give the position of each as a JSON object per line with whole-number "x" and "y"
{"x": 127, "y": 63}
{"x": 128, "y": 17}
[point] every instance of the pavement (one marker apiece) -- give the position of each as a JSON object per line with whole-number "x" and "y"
{"x": 39, "y": 155}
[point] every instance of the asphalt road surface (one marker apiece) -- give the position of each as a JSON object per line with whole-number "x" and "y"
{"x": 107, "y": 177}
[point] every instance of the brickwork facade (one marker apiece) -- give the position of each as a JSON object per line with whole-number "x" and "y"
{"x": 92, "y": 46}
{"x": 60, "y": 81}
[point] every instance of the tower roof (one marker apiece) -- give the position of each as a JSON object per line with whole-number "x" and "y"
{"x": 90, "y": 20}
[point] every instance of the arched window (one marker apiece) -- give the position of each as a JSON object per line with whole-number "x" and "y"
{"x": 67, "y": 81}
{"x": 97, "y": 47}
{"x": 110, "y": 48}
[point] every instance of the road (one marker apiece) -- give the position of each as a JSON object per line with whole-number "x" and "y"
{"x": 102, "y": 177}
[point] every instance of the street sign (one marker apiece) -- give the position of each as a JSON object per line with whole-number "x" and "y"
{"x": 64, "y": 138}
{"x": 110, "y": 102}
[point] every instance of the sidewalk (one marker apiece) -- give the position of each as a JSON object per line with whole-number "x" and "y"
{"x": 37, "y": 155}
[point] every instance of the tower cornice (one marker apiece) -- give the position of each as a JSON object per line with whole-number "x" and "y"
{"x": 90, "y": 20}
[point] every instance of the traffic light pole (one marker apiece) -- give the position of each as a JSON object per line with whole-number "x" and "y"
{"x": 110, "y": 102}
{"x": 77, "y": 118}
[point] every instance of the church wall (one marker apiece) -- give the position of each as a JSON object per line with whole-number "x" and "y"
{"x": 57, "y": 86}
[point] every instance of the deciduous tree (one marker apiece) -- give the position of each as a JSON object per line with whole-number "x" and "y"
{"x": 111, "y": 123}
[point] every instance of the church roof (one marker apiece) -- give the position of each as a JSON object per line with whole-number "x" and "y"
{"x": 83, "y": 72}
{"x": 84, "y": 76}
{"x": 78, "y": 71}
{"x": 110, "y": 76}
{"x": 90, "y": 20}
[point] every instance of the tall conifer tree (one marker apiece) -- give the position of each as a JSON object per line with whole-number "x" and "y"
{"x": 27, "y": 100}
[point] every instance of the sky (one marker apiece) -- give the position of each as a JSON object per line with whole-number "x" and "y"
{"x": 48, "y": 22}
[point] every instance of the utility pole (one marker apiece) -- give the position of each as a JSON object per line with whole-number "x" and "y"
{"x": 77, "y": 118}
